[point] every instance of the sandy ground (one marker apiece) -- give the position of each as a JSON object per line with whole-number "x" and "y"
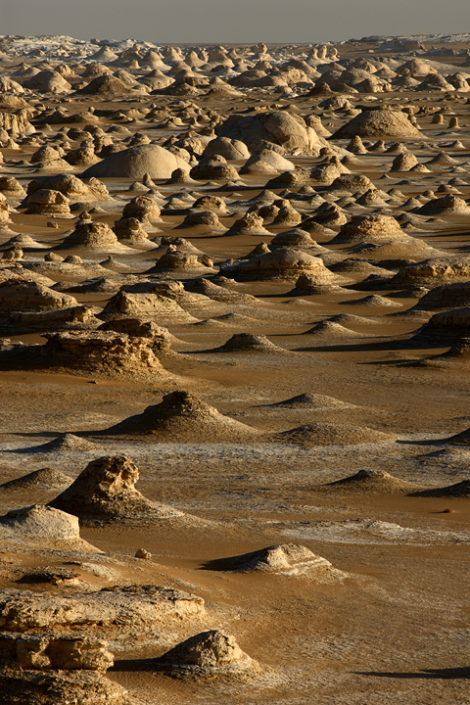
{"x": 395, "y": 628}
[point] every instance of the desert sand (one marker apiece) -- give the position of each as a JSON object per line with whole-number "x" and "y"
{"x": 234, "y": 355}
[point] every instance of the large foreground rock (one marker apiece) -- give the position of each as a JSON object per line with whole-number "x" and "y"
{"x": 44, "y": 651}
{"x": 122, "y": 612}
{"x": 211, "y": 654}
{"x": 30, "y": 687}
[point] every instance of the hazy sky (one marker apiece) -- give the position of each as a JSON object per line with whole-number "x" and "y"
{"x": 194, "y": 21}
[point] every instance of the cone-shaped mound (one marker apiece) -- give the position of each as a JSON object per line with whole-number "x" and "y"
{"x": 374, "y": 482}
{"x": 459, "y": 439}
{"x": 327, "y": 434}
{"x": 183, "y": 417}
{"x": 136, "y": 162}
{"x": 379, "y": 124}
{"x": 330, "y": 331}
{"x": 92, "y": 236}
{"x": 42, "y": 525}
{"x": 283, "y": 559}
{"x": 247, "y": 342}
{"x": 459, "y": 489}
{"x": 312, "y": 401}
{"x": 67, "y": 442}
{"x": 45, "y": 478}
{"x": 448, "y": 204}
{"x": 207, "y": 655}
{"x": 105, "y": 491}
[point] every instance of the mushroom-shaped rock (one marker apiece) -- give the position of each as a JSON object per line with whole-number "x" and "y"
{"x": 249, "y": 224}
{"x": 131, "y": 232}
{"x": 47, "y": 202}
{"x": 206, "y": 218}
{"x": 144, "y": 208}
{"x": 11, "y": 187}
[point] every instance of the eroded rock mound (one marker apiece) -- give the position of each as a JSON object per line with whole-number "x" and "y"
{"x": 241, "y": 342}
{"x": 123, "y": 612}
{"x": 100, "y": 352}
{"x": 308, "y": 400}
{"x": 105, "y": 490}
{"x": 18, "y": 687}
{"x": 45, "y": 478}
{"x": 326, "y": 434}
{"x": 284, "y": 559}
{"x": 91, "y": 236}
{"x": 211, "y": 654}
{"x": 160, "y": 302}
{"x": 372, "y": 481}
{"x": 136, "y": 162}
{"x": 381, "y": 237}
{"x": 44, "y": 651}
{"x": 22, "y": 295}
{"x": 379, "y": 124}
{"x": 183, "y": 417}
{"x": 459, "y": 489}
{"x": 279, "y": 127}
{"x": 42, "y": 525}
{"x": 283, "y": 263}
